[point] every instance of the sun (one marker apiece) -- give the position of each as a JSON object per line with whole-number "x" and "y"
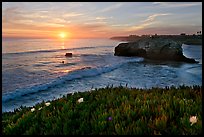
{"x": 62, "y": 35}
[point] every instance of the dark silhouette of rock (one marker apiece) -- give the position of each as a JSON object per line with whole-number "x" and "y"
{"x": 68, "y": 54}
{"x": 153, "y": 48}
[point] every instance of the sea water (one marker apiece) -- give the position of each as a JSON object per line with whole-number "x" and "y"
{"x": 34, "y": 70}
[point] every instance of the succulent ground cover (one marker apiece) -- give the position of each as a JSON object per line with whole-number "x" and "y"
{"x": 112, "y": 111}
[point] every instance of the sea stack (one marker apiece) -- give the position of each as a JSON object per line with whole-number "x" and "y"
{"x": 154, "y": 49}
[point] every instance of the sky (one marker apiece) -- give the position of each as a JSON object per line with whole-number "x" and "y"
{"x": 99, "y": 19}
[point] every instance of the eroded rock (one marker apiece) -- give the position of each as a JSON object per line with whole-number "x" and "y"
{"x": 153, "y": 48}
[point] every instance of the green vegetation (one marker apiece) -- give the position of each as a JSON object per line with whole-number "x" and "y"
{"x": 189, "y": 40}
{"x": 113, "y": 111}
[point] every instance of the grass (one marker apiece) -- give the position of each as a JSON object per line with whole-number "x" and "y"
{"x": 112, "y": 111}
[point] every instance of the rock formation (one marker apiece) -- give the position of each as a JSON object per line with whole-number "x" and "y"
{"x": 153, "y": 48}
{"x": 68, "y": 54}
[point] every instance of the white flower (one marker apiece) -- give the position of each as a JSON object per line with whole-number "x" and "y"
{"x": 47, "y": 104}
{"x": 193, "y": 120}
{"x": 72, "y": 93}
{"x": 80, "y": 100}
{"x": 32, "y": 109}
{"x": 40, "y": 108}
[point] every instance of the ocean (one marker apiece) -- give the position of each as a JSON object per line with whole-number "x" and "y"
{"x": 34, "y": 70}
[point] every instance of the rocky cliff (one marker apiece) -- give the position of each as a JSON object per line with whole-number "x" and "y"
{"x": 153, "y": 48}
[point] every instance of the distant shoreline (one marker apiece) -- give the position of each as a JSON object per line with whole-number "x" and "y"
{"x": 184, "y": 39}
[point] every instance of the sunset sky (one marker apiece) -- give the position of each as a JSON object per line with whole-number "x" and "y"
{"x": 99, "y": 19}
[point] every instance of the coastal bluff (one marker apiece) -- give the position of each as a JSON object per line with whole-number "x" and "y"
{"x": 154, "y": 49}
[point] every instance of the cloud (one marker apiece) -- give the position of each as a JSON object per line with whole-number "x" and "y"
{"x": 178, "y": 4}
{"x": 14, "y": 17}
{"x": 72, "y": 14}
{"x": 156, "y": 3}
{"x": 95, "y": 23}
{"x": 112, "y": 7}
{"x": 10, "y": 14}
{"x": 96, "y": 20}
{"x": 152, "y": 17}
{"x": 121, "y": 25}
{"x": 92, "y": 26}
{"x": 148, "y": 21}
{"x": 59, "y": 20}
{"x": 89, "y": 17}
{"x": 101, "y": 18}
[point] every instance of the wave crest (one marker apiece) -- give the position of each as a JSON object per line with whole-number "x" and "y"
{"x": 76, "y": 74}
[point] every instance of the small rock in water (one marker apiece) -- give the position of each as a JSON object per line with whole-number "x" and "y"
{"x": 68, "y": 54}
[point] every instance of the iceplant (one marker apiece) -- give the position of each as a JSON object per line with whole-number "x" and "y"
{"x": 80, "y": 100}
{"x": 32, "y": 109}
{"x": 47, "y": 104}
{"x": 193, "y": 120}
{"x": 110, "y": 118}
{"x": 40, "y": 108}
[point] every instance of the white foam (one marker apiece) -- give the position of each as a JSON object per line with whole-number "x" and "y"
{"x": 53, "y": 50}
{"x": 77, "y": 74}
